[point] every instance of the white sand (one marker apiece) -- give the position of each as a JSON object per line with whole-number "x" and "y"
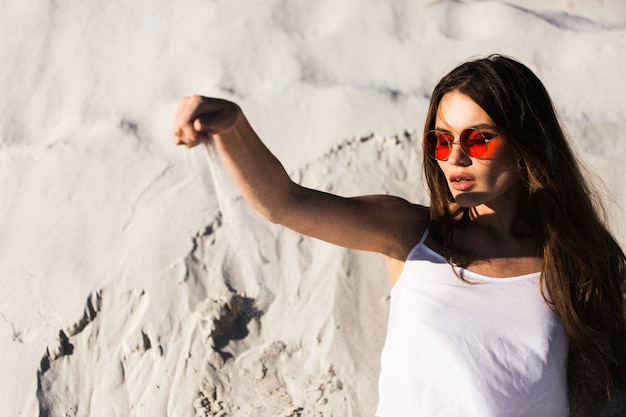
{"x": 126, "y": 291}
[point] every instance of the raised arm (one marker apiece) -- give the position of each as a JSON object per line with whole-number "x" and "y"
{"x": 384, "y": 224}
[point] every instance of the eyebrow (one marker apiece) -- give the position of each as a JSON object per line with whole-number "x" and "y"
{"x": 477, "y": 127}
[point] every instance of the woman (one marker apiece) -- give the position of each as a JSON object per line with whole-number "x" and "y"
{"x": 507, "y": 289}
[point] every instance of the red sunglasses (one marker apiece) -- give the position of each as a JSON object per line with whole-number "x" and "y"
{"x": 438, "y": 144}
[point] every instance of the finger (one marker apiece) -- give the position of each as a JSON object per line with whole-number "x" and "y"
{"x": 185, "y": 136}
{"x": 199, "y": 126}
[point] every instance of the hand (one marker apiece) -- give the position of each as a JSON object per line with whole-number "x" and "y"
{"x": 198, "y": 118}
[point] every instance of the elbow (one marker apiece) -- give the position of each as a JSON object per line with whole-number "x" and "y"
{"x": 271, "y": 209}
{"x": 279, "y": 208}
{"x": 271, "y": 214}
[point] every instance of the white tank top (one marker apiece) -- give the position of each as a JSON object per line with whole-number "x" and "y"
{"x": 487, "y": 349}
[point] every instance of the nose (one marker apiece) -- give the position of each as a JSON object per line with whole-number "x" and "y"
{"x": 457, "y": 155}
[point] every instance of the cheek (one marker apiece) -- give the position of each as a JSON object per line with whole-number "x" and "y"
{"x": 495, "y": 149}
{"x": 501, "y": 155}
{"x": 442, "y": 167}
{"x": 502, "y": 175}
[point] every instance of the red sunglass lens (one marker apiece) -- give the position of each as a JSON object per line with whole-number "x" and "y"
{"x": 442, "y": 151}
{"x": 473, "y": 143}
{"x": 439, "y": 145}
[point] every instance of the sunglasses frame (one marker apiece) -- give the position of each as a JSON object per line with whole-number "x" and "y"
{"x": 462, "y": 141}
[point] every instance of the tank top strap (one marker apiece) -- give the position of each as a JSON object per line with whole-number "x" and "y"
{"x": 424, "y": 236}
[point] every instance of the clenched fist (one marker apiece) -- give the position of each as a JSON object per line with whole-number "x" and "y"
{"x": 198, "y": 118}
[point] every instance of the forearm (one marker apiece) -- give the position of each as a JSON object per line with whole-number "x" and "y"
{"x": 257, "y": 173}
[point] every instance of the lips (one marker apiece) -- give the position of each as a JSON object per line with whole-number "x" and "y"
{"x": 461, "y": 181}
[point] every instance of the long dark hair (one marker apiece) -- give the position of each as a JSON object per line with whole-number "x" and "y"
{"x": 583, "y": 265}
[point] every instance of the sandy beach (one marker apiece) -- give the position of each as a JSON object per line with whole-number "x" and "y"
{"x": 136, "y": 281}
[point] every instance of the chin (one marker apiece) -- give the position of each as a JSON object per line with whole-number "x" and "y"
{"x": 467, "y": 200}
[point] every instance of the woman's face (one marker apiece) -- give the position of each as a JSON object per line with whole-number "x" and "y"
{"x": 488, "y": 183}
